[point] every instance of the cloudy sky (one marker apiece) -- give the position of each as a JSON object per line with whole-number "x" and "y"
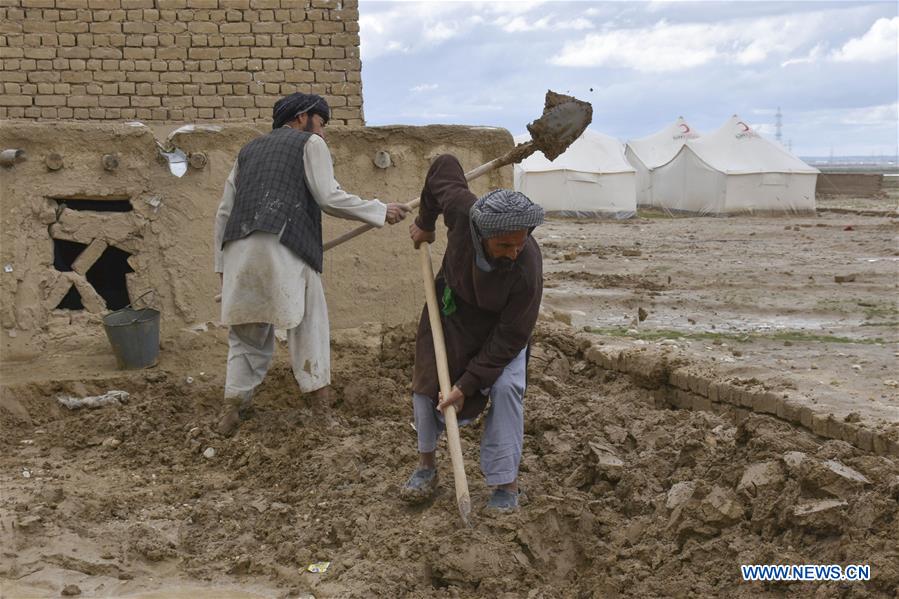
{"x": 832, "y": 67}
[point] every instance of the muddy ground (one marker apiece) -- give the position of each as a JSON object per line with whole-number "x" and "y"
{"x": 626, "y": 497}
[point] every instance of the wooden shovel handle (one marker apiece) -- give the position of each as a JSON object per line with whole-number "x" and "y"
{"x": 362, "y": 229}
{"x": 517, "y": 154}
{"x": 449, "y": 413}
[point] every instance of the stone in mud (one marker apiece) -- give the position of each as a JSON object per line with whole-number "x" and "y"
{"x": 759, "y": 475}
{"x": 822, "y": 515}
{"x": 793, "y": 459}
{"x": 52, "y": 495}
{"x": 616, "y": 434}
{"x": 894, "y": 488}
{"x": 720, "y": 507}
{"x": 680, "y": 493}
{"x": 71, "y": 590}
{"x": 831, "y": 477}
{"x": 29, "y": 523}
{"x": 606, "y": 462}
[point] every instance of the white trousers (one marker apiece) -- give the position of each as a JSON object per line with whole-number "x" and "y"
{"x": 252, "y": 346}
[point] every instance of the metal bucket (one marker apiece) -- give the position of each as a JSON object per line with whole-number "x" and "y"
{"x": 134, "y": 336}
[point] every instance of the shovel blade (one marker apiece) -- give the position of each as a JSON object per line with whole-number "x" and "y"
{"x": 564, "y": 119}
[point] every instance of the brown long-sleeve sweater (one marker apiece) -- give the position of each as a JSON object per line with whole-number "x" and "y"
{"x": 495, "y": 311}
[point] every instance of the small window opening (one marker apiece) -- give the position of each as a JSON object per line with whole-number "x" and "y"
{"x": 107, "y": 276}
{"x": 72, "y": 300}
{"x": 97, "y": 205}
{"x": 65, "y": 253}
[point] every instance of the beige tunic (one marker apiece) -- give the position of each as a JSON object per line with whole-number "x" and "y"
{"x": 263, "y": 280}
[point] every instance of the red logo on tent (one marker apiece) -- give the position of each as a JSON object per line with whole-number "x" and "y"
{"x": 745, "y": 131}
{"x": 685, "y": 127}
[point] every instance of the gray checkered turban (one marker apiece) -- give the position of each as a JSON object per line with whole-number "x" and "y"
{"x": 503, "y": 211}
{"x": 500, "y": 211}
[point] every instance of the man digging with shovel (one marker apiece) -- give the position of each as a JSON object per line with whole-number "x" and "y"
{"x": 489, "y": 288}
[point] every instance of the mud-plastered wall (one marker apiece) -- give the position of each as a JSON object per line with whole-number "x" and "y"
{"x": 176, "y": 60}
{"x": 849, "y": 184}
{"x": 93, "y": 217}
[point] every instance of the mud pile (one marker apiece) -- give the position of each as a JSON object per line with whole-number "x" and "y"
{"x": 624, "y": 499}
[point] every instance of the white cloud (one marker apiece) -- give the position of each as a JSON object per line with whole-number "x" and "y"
{"x": 499, "y": 7}
{"x": 813, "y": 56}
{"x": 882, "y": 115}
{"x": 424, "y": 87}
{"x": 662, "y": 47}
{"x": 440, "y": 32}
{"x": 395, "y": 46}
{"x": 547, "y": 23}
{"x": 409, "y": 26}
{"x": 666, "y": 47}
{"x": 878, "y": 43}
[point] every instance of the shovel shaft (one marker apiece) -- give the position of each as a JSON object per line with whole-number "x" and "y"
{"x": 517, "y": 154}
{"x": 449, "y": 413}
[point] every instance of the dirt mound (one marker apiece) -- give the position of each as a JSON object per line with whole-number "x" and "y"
{"x": 606, "y": 281}
{"x": 624, "y": 499}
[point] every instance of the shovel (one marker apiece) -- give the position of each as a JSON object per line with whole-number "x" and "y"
{"x": 463, "y": 500}
{"x": 564, "y": 119}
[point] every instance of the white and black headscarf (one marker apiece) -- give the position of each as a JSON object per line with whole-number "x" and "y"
{"x": 501, "y": 211}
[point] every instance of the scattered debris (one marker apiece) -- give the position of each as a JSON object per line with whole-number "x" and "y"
{"x": 680, "y": 493}
{"x": 114, "y": 397}
{"x": 318, "y": 567}
{"x": 209, "y": 453}
{"x": 110, "y": 443}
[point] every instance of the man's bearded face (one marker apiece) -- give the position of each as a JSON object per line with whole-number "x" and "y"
{"x": 503, "y": 250}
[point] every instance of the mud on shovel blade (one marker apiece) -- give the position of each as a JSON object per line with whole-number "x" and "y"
{"x": 463, "y": 499}
{"x": 564, "y": 119}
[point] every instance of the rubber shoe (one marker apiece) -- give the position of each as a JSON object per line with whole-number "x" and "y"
{"x": 503, "y": 501}
{"x": 421, "y": 486}
{"x": 229, "y": 422}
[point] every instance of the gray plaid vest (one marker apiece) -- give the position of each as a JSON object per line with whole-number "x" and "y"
{"x": 272, "y": 195}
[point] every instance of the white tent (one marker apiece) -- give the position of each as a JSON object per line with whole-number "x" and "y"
{"x": 734, "y": 171}
{"x": 592, "y": 178}
{"x": 651, "y": 152}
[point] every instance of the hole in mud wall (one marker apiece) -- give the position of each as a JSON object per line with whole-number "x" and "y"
{"x": 97, "y": 205}
{"x": 107, "y": 276}
{"x": 64, "y": 254}
{"x": 71, "y": 301}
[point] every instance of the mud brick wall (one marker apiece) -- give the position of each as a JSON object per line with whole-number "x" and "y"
{"x": 176, "y": 60}
{"x": 850, "y": 184}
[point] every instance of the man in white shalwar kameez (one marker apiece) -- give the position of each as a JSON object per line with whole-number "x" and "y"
{"x": 268, "y": 250}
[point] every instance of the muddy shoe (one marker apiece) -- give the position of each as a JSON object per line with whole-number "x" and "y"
{"x": 420, "y": 486}
{"x": 503, "y": 502}
{"x": 228, "y": 423}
